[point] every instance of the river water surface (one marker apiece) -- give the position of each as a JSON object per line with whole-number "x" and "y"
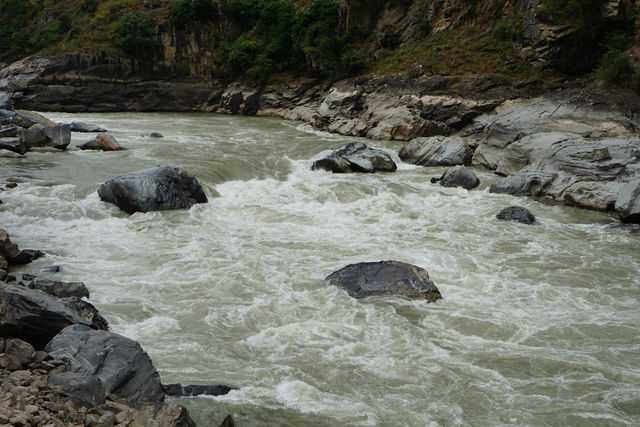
{"x": 539, "y": 324}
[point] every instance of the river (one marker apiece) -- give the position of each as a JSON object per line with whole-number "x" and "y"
{"x": 538, "y": 325}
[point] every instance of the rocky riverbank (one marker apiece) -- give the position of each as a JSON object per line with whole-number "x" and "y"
{"x": 61, "y": 365}
{"x": 561, "y": 143}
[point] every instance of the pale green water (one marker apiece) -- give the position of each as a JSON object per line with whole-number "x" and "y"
{"x": 538, "y": 325}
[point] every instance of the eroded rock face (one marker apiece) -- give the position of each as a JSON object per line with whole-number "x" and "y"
{"x": 436, "y": 151}
{"x": 155, "y": 189}
{"x": 517, "y": 214}
{"x": 356, "y": 157}
{"x": 122, "y": 365}
{"x": 385, "y": 278}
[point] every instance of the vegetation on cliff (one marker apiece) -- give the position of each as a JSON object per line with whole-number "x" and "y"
{"x": 258, "y": 39}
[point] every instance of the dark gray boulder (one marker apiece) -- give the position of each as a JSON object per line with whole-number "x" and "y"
{"x": 156, "y": 135}
{"x": 25, "y": 256}
{"x": 195, "y": 390}
{"x": 517, "y": 214}
{"x": 34, "y": 316}
{"x": 86, "y": 127}
{"x": 86, "y": 390}
{"x": 60, "y": 289}
{"x": 13, "y": 143}
{"x": 102, "y": 142}
{"x": 356, "y": 157}
{"x": 458, "y": 176}
{"x": 10, "y": 154}
{"x": 385, "y": 278}
{"x": 436, "y": 151}
{"x": 524, "y": 183}
{"x": 122, "y": 365}
{"x": 160, "y": 188}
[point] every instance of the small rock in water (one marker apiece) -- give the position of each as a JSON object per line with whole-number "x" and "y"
{"x": 195, "y": 390}
{"x": 52, "y": 269}
{"x": 228, "y": 422}
{"x": 385, "y": 278}
{"x": 458, "y": 176}
{"x": 516, "y": 213}
{"x": 356, "y": 157}
{"x": 156, "y": 135}
{"x": 102, "y": 142}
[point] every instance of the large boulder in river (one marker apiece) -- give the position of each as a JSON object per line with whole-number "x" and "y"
{"x": 436, "y": 151}
{"x": 628, "y": 202}
{"x": 155, "y": 189}
{"x": 102, "y": 142}
{"x": 385, "y": 278}
{"x": 122, "y": 365}
{"x": 517, "y": 214}
{"x": 356, "y": 157}
{"x": 458, "y": 176}
{"x": 35, "y": 316}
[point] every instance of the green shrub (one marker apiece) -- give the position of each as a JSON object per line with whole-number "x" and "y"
{"x": 245, "y": 13}
{"x": 136, "y": 35}
{"x": 185, "y": 12}
{"x": 614, "y": 67}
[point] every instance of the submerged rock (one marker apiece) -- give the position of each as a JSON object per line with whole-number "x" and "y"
{"x": 436, "y": 151}
{"x": 458, "y": 176}
{"x": 122, "y": 365}
{"x": 86, "y": 127}
{"x": 385, "y": 278}
{"x": 356, "y": 157}
{"x": 516, "y": 213}
{"x": 195, "y": 390}
{"x": 155, "y": 189}
{"x": 101, "y": 142}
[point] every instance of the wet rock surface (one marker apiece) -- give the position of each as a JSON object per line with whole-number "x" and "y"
{"x": 517, "y": 214}
{"x": 86, "y": 127}
{"x": 458, "y": 176}
{"x": 102, "y": 142}
{"x": 385, "y": 278}
{"x": 356, "y": 157}
{"x": 155, "y": 189}
{"x": 195, "y": 390}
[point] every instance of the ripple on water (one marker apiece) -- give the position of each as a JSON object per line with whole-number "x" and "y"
{"x": 538, "y": 325}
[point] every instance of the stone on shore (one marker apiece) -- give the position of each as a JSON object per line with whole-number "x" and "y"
{"x": 10, "y": 154}
{"x": 385, "y": 278}
{"x": 85, "y": 390}
{"x": 356, "y": 157}
{"x": 517, "y": 214}
{"x": 524, "y": 183}
{"x": 436, "y": 151}
{"x": 102, "y": 142}
{"x": 458, "y": 176}
{"x": 86, "y": 127}
{"x": 15, "y": 354}
{"x": 122, "y": 365}
{"x": 160, "y": 188}
{"x": 35, "y": 316}
{"x": 60, "y": 289}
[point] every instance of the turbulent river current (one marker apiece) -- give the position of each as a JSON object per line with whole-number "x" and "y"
{"x": 538, "y": 325}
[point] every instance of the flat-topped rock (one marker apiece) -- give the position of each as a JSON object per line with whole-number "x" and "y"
{"x": 356, "y": 157}
{"x": 86, "y": 127}
{"x": 385, "y": 278}
{"x": 155, "y": 189}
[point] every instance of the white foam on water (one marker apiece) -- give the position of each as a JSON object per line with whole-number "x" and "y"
{"x": 537, "y": 322}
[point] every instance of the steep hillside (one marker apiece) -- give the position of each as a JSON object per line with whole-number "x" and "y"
{"x": 281, "y": 39}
